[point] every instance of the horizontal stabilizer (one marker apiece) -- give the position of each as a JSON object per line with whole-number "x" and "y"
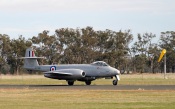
{"x": 31, "y": 57}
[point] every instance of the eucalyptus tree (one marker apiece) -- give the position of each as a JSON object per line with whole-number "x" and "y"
{"x": 4, "y": 51}
{"x": 78, "y": 44}
{"x": 89, "y": 44}
{"x": 47, "y": 46}
{"x": 68, "y": 39}
{"x": 143, "y": 49}
{"x": 18, "y": 47}
{"x": 116, "y": 47}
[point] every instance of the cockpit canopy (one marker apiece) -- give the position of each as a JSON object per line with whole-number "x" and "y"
{"x": 100, "y": 63}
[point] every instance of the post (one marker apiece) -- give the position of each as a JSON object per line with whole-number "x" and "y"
{"x": 165, "y": 66}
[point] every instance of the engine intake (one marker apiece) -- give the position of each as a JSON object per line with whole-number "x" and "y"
{"x": 83, "y": 74}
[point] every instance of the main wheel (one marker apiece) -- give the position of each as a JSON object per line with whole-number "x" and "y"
{"x": 115, "y": 82}
{"x": 70, "y": 83}
{"x": 88, "y": 82}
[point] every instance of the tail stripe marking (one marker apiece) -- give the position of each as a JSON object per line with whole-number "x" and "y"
{"x": 31, "y": 53}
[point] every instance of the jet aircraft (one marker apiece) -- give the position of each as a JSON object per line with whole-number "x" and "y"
{"x": 71, "y": 72}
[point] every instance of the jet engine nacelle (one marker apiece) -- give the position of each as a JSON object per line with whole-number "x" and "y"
{"x": 68, "y": 74}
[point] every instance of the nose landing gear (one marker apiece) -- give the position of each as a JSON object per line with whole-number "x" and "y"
{"x": 115, "y": 82}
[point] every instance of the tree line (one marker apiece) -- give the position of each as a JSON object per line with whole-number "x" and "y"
{"x": 85, "y": 45}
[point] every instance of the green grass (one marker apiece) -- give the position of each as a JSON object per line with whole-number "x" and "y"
{"x": 83, "y": 99}
{"x": 87, "y": 99}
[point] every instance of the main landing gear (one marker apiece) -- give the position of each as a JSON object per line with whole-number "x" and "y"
{"x": 70, "y": 83}
{"x": 88, "y": 82}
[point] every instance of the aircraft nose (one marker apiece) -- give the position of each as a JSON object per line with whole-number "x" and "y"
{"x": 117, "y": 72}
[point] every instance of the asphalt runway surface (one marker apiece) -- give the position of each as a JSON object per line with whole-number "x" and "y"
{"x": 91, "y": 87}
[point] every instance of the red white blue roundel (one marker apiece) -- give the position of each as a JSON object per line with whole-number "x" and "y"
{"x": 52, "y": 68}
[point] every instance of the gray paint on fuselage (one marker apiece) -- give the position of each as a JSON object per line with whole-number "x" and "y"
{"x": 90, "y": 70}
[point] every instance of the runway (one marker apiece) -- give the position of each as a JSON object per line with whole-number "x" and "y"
{"x": 91, "y": 87}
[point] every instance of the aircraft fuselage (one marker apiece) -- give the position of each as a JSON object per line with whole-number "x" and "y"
{"x": 90, "y": 70}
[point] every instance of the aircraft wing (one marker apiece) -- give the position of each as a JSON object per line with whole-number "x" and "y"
{"x": 74, "y": 73}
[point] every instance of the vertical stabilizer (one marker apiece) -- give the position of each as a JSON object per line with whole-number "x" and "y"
{"x": 30, "y": 60}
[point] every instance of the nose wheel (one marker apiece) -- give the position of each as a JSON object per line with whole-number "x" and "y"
{"x": 115, "y": 82}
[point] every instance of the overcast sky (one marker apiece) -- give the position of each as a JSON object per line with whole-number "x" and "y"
{"x": 30, "y": 17}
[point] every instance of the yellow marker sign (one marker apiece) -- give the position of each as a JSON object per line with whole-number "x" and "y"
{"x": 162, "y": 54}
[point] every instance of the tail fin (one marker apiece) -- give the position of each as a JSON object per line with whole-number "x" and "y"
{"x": 30, "y": 60}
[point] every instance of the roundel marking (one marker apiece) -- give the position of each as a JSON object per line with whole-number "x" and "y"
{"x": 52, "y": 68}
